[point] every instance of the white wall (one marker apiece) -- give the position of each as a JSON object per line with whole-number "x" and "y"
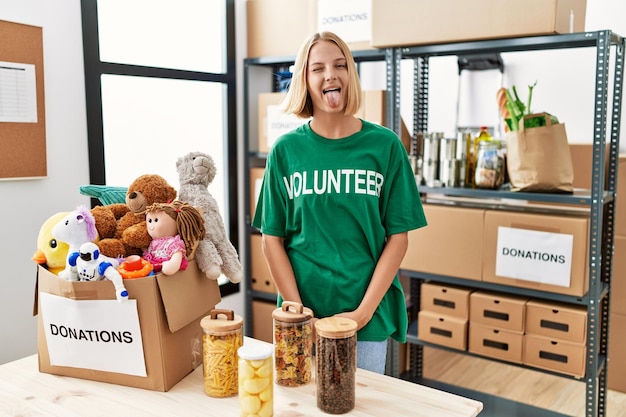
{"x": 26, "y": 204}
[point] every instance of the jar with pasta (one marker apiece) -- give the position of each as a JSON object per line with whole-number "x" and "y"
{"x": 335, "y": 363}
{"x": 256, "y": 380}
{"x": 223, "y": 336}
{"x": 293, "y": 341}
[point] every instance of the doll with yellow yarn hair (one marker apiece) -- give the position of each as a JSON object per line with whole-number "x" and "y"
{"x": 175, "y": 229}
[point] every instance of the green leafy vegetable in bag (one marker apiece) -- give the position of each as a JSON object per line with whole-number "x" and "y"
{"x": 517, "y": 110}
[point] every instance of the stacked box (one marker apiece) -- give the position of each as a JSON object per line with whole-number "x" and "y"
{"x": 496, "y": 325}
{"x": 443, "y": 315}
{"x": 555, "y": 337}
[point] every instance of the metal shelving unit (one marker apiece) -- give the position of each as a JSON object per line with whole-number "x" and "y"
{"x": 600, "y": 199}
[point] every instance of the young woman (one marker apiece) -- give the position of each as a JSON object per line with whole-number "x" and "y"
{"x": 337, "y": 201}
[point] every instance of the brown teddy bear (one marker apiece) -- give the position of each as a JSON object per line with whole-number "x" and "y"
{"x": 131, "y": 235}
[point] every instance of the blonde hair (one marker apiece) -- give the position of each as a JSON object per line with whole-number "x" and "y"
{"x": 298, "y": 100}
{"x": 189, "y": 221}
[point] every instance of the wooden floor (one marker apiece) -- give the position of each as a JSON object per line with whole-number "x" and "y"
{"x": 562, "y": 395}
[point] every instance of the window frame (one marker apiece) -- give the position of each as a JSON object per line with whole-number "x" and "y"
{"x": 95, "y": 68}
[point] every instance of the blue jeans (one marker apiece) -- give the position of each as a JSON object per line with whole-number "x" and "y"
{"x": 371, "y": 356}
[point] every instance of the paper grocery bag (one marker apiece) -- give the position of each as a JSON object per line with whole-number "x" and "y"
{"x": 539, "y": 159}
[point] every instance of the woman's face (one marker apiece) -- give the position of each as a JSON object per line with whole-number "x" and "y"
{"x": 327, "y": 78}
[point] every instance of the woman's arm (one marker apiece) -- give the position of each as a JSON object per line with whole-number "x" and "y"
{"x": 384, "y": 273}
{"x": 280, "y": 267}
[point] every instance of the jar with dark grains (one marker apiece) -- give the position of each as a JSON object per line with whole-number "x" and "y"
{"x": 222, "y": 337}
{"x": 335, "y": 362}
{"x": 293, "y": 340}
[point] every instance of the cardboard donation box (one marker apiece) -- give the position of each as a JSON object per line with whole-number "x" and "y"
{"x": 450, "y": 245}
{"x": 537, "y": 251}
{"x": 418, "y": 22}
{"x": 151, "y": 341}
{"x": 279, "y": 27}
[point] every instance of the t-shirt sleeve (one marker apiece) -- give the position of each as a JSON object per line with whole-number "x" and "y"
{"x": 269, "y": 215}
{"x": 403, "y": 204}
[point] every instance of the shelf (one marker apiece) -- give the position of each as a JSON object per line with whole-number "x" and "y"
{"x": 506, "y": 289}
{"x": 412, "y": 337}
{"x": 530, "y": 43}
{"x": 580, "y": 197}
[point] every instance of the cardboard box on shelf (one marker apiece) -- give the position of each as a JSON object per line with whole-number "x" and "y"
{"x": 620, "y": 204}
{"x": 256, "y": 180}
{"x": 450, "y": 245}
{"x": 261, "y": 279}
{"x": 262, "y": 322}
{"x": 272, "y": 121}
{"x": 269, "y": 33}
{"x": 555, "y": 355}
{"x": 537, "y": 251}
{"x": 167, "y": 338}
{"x": 445, "y": 299}
{"x": 557, "y": 320}
{"x": 495, "y": 343}
{"x": 501, "y": 311}
{"x": 618, "y": 279}
{"x": 442, "y": 330}
{"x": 402, "y": 23}
{"x": 616, "y": 372}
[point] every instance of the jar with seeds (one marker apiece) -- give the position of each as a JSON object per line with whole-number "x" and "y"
{"x": 223, "y": 335}
{"x": 335, "y": 362}
{"x": 293, "y": 340}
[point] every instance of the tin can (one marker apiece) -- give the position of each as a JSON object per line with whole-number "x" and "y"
{"x": 463, "y": 153}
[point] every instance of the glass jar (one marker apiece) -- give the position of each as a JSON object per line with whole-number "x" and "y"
{"x": 293, "y": 340}
{"x": 256, "y": 385}
{"x": 335, "y": 362}
{"x": 223, "y": 336}
{"x": 489, "y": 171}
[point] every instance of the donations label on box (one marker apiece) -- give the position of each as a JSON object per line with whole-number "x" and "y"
{"x": 350, "y": 19}
{"x": 279, "y": 123}
{"x": 534, "y": 256}
{"x": 103, "y": 335}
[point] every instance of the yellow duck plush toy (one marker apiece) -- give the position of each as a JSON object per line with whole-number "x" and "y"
{"x": 50, "y": 252}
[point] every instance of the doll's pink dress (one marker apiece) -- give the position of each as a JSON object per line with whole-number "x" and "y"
{"x": 161, "y": 249}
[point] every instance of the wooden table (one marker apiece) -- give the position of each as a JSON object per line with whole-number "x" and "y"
{"x": 24, "y": 391}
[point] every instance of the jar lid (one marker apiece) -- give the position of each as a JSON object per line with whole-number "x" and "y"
{"x": 292, "y": 312}
{"x": 255, "y": 351}
{"x": 221, "y": 320}
{"x": 335, "y": 327}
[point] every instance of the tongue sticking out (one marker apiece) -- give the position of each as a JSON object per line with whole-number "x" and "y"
{"x": 333, "y": 98}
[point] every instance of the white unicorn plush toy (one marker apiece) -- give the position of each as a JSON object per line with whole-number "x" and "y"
{"x": 84, "y": 260}
{"x": 78, "y": 227}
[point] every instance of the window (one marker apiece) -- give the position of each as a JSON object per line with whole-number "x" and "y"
{"x": 160, "y": 82}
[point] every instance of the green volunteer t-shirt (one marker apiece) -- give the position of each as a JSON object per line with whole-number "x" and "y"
{"x": 334, "y": 202}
